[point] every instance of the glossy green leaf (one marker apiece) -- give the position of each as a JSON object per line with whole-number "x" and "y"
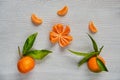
{"x": 29, "y": 43}
{"x": 78, "y": 53}
{"x": 85, "y": 59}
{"x": 100, "y": 50}
{"x": 38, "y": 54}
{"x": 101, "y": 65}
{"x": 94, "y": 43}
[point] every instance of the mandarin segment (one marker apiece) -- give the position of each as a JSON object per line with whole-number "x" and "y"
{"x": 63, "y": 11}
{"x": 67, "y": 30}
{"x": 68, "y": 38}
{"x": 63, "y": 42}
{"x": 60, "y": 28}
{"x": 36, "y": 20}
{"x": 92, "y": 27}
{"x": 53, "y": 37}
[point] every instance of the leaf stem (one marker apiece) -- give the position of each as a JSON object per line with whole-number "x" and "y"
{"x": 19, "y": 52}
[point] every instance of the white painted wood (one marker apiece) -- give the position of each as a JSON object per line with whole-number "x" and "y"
{"x": 15, "y": 26}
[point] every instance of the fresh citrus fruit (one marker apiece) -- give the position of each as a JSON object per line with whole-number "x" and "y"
{"x": 25, "y": 64}
{"x": 63, "y": 11}
{"x": 92, "y": 27}
{"x": 36, "y": 20}
{"x": 92, "y": 64}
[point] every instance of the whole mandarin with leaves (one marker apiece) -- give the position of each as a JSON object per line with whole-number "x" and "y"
{"x": 94, "y": 61}
{"x": 27, "y": 57}
{"x": 92, "y": 64}
{"x": 25, "y": 64}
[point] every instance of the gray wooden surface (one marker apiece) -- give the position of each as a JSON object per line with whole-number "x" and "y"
{"x": 15, "y": 26}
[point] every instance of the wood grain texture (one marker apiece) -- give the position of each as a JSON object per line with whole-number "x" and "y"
{"x": 15, "y": 26}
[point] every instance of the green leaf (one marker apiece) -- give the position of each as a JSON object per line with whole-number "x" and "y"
{"x": 85, "y": 59}
{"x": 94, "y": 43}
{"x": 38, "y": 54}
{"x": 101, "y": 65}
{"x": 100, "y": 50}
{"x": 78, "y": 53}
{"x": 29, "y": 43}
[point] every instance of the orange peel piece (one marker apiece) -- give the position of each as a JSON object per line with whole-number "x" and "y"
{"x": 92, "y": 27}
{"x": 36, "y": 20}
{"x": 63, "y": 11}
{"x": 61, "y": 35}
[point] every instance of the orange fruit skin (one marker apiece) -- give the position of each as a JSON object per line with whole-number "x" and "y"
{"x": 25, "y": 64}
{"x": 92, "y": 64}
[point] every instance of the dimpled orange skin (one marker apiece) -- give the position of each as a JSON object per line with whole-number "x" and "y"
{"x": 92, "y": 64}
{"x": 25, "y": 64}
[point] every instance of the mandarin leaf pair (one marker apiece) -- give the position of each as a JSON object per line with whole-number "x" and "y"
{"x": 36, "y": 54}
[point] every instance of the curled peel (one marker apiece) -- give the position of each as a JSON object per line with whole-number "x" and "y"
{"x": 62, "y": 11}
{"x": 92, "y": 27}
{"x": 36, "y": 20}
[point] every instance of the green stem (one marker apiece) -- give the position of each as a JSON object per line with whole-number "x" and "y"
{"x": 19, "y": 52}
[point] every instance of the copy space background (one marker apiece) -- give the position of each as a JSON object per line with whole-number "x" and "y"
{"x": 16, "y": 26}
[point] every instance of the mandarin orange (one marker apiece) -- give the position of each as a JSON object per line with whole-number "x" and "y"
{"x": 92, "y": 63}
{"x": 25, "y": 64}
